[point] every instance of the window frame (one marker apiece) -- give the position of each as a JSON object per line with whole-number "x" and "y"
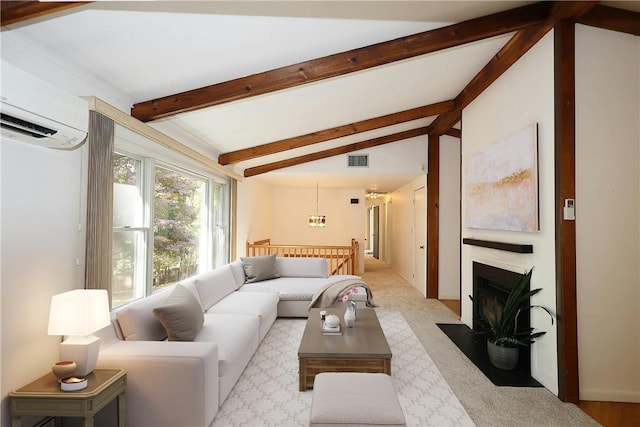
{"x": 144, "y": 228}
{"x": 174, "y": 163}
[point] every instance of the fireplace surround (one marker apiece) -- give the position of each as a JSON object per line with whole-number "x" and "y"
{"x": 491, "y": 283}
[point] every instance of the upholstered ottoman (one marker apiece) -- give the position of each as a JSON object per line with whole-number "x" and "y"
{"x": 355, "y": 399}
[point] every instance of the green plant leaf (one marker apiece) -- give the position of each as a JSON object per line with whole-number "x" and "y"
{"x": 502, "y": 328}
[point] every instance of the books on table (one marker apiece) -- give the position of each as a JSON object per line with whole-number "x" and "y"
{"x": 328, "y": 330}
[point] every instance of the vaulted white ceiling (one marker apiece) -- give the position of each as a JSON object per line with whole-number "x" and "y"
{"x": 129, "y": 52}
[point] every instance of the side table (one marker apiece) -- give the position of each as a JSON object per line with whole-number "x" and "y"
{"x": 43, "y": 397}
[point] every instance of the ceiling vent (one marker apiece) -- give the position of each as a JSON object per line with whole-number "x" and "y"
{"x": 359, "y": 161}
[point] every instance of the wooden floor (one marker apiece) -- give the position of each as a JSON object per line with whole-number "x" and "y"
{"x": 609, "y": 414}
{"x": 612, "y": 414}
{"x": 453, "y": 305}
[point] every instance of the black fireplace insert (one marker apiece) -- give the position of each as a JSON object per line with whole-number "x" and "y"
{"x": 491, "y": 287}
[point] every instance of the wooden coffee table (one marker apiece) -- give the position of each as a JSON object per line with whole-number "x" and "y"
{"x": 362, "y": 348}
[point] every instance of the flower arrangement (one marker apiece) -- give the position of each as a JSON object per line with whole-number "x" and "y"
{"x": 347, "y": 297}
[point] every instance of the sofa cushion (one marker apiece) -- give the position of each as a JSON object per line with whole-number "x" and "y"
{"x": 214, "y": 285}
{"x": 261, "y": 304}
{"x": 192, "y": 287}
{"x": 301, "y": 267}
{"x": 238, "y": 272}
{"x": 235, "y": 334}
{"x": 137, "y": 321}
{"x": 297, "y": 288}
{"x": 180, "y": 314}
{"x": 288, "y": 288}
{"x": 259, "y": 268}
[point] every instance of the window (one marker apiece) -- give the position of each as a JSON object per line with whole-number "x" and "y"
{"x": 169, "y": 224}
{"x": 129, "y": 234}
{"x": 179, "y": 222}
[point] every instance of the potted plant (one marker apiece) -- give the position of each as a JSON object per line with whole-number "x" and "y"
{"x": 503, "y": 337}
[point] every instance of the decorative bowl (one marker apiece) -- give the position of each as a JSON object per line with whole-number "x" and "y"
{"x": 332, "y": 320}
{"x": 64, "y": 369}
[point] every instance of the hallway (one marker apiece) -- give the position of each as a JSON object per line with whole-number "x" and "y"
{"x": 393, "y": 291}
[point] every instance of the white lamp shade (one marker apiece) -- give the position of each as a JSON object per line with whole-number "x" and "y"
{"x": 79, "y": 312}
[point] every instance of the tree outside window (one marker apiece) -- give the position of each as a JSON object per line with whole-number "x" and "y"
{"x": 179, "y": 201}
{"x": 175, "y": 231}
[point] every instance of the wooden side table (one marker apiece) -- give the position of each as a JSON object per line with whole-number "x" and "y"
{"x": 43, "y": 397}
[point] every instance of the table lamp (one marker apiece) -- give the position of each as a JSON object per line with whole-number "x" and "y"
{"x": 77, "y": 315}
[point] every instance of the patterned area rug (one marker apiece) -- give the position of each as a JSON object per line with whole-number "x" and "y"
{"x": 267, "y": 392}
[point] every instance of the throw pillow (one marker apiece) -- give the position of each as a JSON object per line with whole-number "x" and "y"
{"x": 259, "y": 268}
{"x": 180, "y": 314}
{"x": 137, "y": 322}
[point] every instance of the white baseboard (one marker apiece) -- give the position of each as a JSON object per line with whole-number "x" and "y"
{"x": 449, "y": 296}
{"x": 631, "y": 396}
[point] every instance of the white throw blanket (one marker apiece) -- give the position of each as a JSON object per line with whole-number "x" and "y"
{"x": 329, "y": 294}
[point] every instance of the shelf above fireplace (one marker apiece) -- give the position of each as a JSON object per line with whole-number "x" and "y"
{"x": 509, "y": 247}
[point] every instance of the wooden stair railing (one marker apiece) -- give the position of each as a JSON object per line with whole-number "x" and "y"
{"x": 340, "y": 259}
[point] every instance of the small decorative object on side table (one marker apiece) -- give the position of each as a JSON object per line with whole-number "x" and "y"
{"x": 43, "y": 397}
{"x": 64, "y": 369}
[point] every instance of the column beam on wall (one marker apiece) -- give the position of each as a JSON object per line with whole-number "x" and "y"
{"x": 433, "y": 215}
{"x": 564, "y": 100}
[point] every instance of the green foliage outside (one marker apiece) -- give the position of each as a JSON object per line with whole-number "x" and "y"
{"x": 176, "y": 226}
{"x": 178, "y": 203}
{"x": 125, "y": 169}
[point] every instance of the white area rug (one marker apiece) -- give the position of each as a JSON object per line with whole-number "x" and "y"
{"x": 267, "y": 392}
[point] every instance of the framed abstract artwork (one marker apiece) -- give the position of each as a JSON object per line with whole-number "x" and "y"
{"x": 501, "y": 184}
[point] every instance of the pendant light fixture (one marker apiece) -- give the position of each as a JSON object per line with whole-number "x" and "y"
{"x": 317, "y": 220}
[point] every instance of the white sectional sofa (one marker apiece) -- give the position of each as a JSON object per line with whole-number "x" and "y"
{"x": 182, "y": 383}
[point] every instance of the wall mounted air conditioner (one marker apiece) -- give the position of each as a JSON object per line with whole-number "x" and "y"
{"x": 40, "y": 113}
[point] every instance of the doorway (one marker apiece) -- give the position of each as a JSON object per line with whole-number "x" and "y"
{"x": 419, "y": 241}
{"x": 375, "y": 232}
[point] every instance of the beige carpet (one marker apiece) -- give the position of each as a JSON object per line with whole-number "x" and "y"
{"x": 486, "y": 404}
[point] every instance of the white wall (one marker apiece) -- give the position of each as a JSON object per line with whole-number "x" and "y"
{"x": 520, "y": 97}
{"x": 45, "y": 65}
{"x": 254, "y": 216}
{"x": 41, "y": 193}
{"x": 449, "y": 215}
{"x": 402, "y": 219}
{"x": 608, "y": 214}
{"x": 293, "y": 205}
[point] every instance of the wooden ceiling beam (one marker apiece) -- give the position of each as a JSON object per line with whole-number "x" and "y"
{"x": 13, "y": 12}
{"x": 456, "y": 133}
{"x": 614, "y": 19}
{"x": 344, "y": 62}
{"x": 336, "y": 132}
{"x": 362, "y": 145}
{"x": 517, "y": 46}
